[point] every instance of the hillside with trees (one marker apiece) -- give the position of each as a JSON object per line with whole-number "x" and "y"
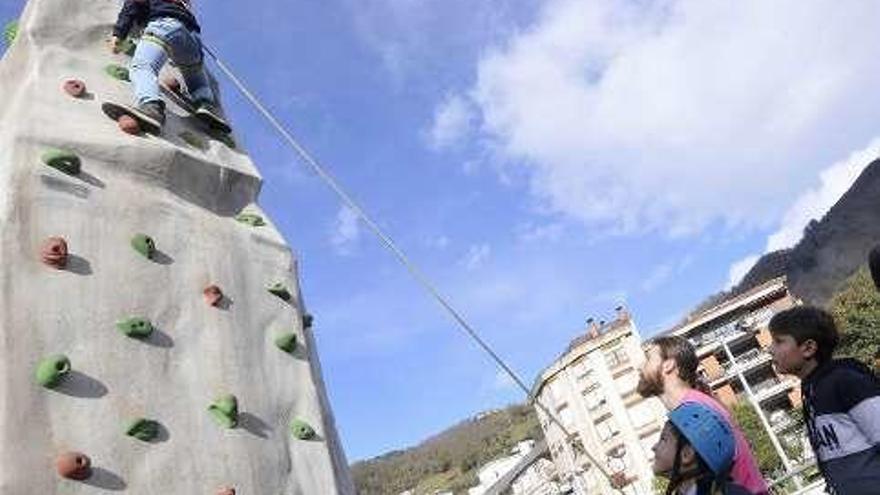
{"x": 450, "y": 460}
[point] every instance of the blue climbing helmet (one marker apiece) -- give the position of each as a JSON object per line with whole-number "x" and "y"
{"x": 708, "y": 433}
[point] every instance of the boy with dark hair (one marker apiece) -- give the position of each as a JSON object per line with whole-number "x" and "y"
{"x": 841, "y": 399}
{"x": 874, "y": 264}
{"x": 170, "y": 31}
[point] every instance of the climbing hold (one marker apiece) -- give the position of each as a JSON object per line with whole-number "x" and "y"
{"x": 171, "y": 83}
{"x": 228, "y": 490}
{"x": 128, "y": 125}
{"x": 127, "y": 46}
{"x": 213, "y": 295}
{"x": 225, "y": 411}
{"x": 62, "y": 160}
{"x": 75, "y": 87}
{"x": 251, "y": 219}
{"x": 144, "y": 244}
{"x": 142, "y": 429}
{"x": 286, "y": 342}
{"x": 307, "y": 320}
{"x": 54, "y": 252}
{"x": 280, "y": 290}
{"x": 117, "y": 72}
{"x": 194, "y": 140}
{"x": 51, "y": 369}
{"x": 10, "y": 32}
{"x": 74, "y": 465}
{"x": 301, "y": 430}
{"x": 135, "y": 327}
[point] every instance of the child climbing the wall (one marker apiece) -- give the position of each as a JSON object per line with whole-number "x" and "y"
{"x": 695, "y": 452}
{"x": 171, "y": 31}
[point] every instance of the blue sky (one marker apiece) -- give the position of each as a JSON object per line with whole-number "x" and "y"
{"x": 543, "y": 162}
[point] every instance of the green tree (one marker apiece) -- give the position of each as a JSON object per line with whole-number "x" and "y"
{"x": 768, "y": 460}
{"x": 856, "y": 308}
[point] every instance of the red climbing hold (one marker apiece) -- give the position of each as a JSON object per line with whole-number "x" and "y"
{"x": 129, "y": 125}
{"x": 213, "y": 295}
{"x": 75, "y": 87}
{"x": 74, "y": 466}
{"x": 54, "y": 252}
{"x": 171, "y": 83}
{"x": 226, "y": 491}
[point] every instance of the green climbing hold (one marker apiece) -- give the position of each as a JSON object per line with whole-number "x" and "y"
{"x": 286, "y": 341}
{"x": 194, "y": 140}
{"x": 117, "y": 72}
{"x": 225, "y": 411}
{"x": 144, "y": 244}
{"x": 280, "y": 290}
{"x": 10, "y": 32}
{"x": 251, "y": 219}
{"x": 135, "y": 327}
{"x": 301, "y": 430}
{"x": 128, "y": 46}
{"x": 142, "y": 429}
{"x": 52, "y": 369}
{"x": 63, "y": 161}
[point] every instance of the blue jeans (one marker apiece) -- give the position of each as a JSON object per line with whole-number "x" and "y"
{"x": 164, "y": 38}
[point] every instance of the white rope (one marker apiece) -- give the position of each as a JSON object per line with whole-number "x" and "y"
{"x": 386, "y": 240}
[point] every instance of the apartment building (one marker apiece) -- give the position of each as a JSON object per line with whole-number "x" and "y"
{"x": 591, "y": 389}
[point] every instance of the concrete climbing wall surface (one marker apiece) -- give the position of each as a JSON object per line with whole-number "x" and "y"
{"x": 149, "y": 369}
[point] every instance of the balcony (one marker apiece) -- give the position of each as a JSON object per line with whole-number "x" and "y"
{"x": 710, "y": 340}
{"x": 747, "y": 361}
{"x": 771, "y": 388}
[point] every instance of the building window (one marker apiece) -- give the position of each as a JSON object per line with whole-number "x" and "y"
{"x": 626, "y": 383}
{"x": 641, "y": 414}
{"x": 565, "y": 416}
{"x": 607, "y": 429}
{"x": 616, "y": 356}
{"x": 593, "y": 396}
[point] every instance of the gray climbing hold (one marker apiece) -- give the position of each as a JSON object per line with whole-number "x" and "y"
{"x": 63, "y": 161}
{"x": 301, "y": 430}
{"x": 286, "y": 342}
{"x": 251, "y": 219}
{"x": 51, "y": 369}
{"x": 142, "y": 429}
{"x": 224, "y": 410}
{"x": 280, "y": 290}
{"x": 117, "y": 72}
{"x": 135, "y": 327}
{"x": 144, "y": 244}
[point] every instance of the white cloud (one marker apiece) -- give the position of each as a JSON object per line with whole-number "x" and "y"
{"x": 531, "y": 232}
{"x": 813, "y": 203}
{"x": 452, "y": 121}
{"x": 438, "y": 242}
{"x": 345, "y": 231}
{"x": 673, "y": 115}
{"x": 739, "y": 270}
{"x": 476, "y": 256}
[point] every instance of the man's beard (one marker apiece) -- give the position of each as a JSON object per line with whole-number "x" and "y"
{"x": 649, "y": 386}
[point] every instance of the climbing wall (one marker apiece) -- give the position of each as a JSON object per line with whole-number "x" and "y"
{"x": 152, "y": 333}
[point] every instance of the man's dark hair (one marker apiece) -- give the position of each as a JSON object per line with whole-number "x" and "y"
{"x": 874, "y": 264}
{"x": 805, "y": 323}
{"x": 683, "y": 353}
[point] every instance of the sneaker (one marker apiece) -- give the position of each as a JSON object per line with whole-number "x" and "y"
{"x": 208, "y": 112}
{"x": 153, "y": 112}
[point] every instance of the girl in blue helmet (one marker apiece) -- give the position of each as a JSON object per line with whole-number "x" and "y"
{"x": 695, "y": 452}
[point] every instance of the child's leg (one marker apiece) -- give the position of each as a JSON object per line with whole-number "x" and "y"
{"x": 187, "y": 55}
{"x": 148, "y": 59}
